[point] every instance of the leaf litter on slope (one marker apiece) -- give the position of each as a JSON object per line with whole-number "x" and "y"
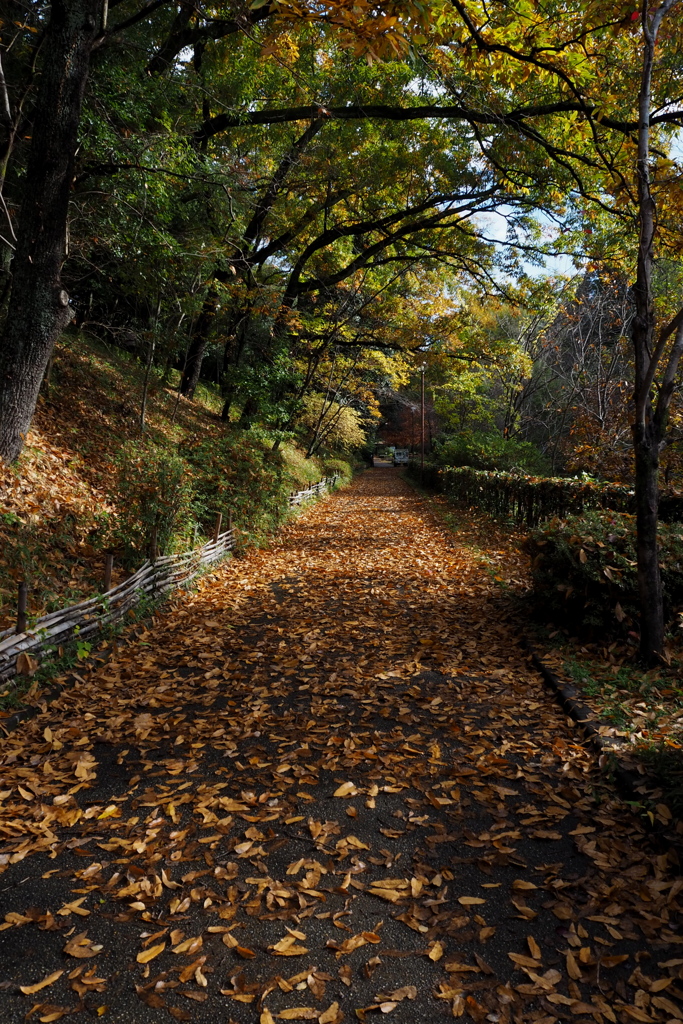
{"x": 326, "y": 786}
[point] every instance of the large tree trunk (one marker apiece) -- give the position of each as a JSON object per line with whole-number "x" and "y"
{"x": 38, "y": 305}
{"x": 645, "y": 439}
{"x": 198, "y": 343}
{"x": 646, "y": 448}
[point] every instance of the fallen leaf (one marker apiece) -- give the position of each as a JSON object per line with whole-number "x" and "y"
{"x": 189, "y": 946}
{"x": 81, "y": 946}
{"x": 28, "y": 990}
{"x": 346, "y": 789}
{"x": 299, "y": 1013}
{"x": 149, "y": 954}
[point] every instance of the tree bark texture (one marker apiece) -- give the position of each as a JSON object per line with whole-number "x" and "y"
{"x": 646, "y": 447}
{"x": 646, "y": 427}
{"x": 38, "y": 305}
{"x": 198, "y": 344}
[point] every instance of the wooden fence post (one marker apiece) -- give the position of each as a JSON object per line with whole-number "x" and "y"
{"x": 217, "y": 527}
{"x": 21, "y": 608}
{"x": 108, "y": 566}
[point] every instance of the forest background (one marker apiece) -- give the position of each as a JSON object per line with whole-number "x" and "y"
{"x": 235, "y": 237}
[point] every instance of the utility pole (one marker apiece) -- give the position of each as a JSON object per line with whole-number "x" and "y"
{"x": 422, "y": 425}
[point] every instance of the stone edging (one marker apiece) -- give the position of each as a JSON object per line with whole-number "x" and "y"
{"x": 628, "y": 782}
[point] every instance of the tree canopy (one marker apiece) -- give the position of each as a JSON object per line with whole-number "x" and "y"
{"x": 306, "y": 200}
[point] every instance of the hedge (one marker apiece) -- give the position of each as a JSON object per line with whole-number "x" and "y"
{"x": 584, "y": 570}
{"x": 529, "y": 500}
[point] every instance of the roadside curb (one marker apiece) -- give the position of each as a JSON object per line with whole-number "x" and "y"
{"x": 629, "y": 783}
{"x": 567, "y": 697}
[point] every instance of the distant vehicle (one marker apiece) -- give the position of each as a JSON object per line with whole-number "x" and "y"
{"x": 401, "y": 456}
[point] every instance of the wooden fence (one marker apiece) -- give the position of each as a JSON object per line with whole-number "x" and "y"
{"x": 154, "y": 578}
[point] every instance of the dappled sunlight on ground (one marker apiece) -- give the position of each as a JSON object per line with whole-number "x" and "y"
{"x": 325, "y": 785}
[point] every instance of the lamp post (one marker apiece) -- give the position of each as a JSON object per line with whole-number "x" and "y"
{"x": 422, "y": 425}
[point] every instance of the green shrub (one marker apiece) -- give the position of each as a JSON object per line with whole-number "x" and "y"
{"x": 530, "y": 499}
{"x": 340, "y": 466}
{"x": 153, "y": 489}
{"x": 300, "y": 472}
{"x": 584, "y": 570}
{"x": 240, "y": 476}
{"x": 664, "y": 761}
{"x": 492, "y": 452}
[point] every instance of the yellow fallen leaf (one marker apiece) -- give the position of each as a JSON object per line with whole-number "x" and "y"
{"x": 148, "y": 954}
{"x": 298, "y": 1013}
{"x": 470, "y": 901}
{"x": 435, "y": 951}
{"x": 407, "y": 992}
{"x": 28, "y": 990}
{"x": 246, "y": 954}
{"x": 534, "y": 947}
{"x": 190, "y": 945}
{"x": 522, "y": 960}
{"x": 329, "y": 1015}
{"x": 288, "y": 947}
{"x": 266, "y": 1017}
{"x": 81, "y": 946}
{"x": 573, "y": 969}
{"x": 74, "y": 908}
{"x": 458, "y": 1006}
{"x": 521, "y": 884}
{"x": 112, "y": 811}
{"x": 346, "y": 789}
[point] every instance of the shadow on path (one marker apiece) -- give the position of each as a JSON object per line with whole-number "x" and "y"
{"x": 323, "y": 787}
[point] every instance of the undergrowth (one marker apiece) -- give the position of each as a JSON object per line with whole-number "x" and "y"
{"x": 89, "y": 483}
{"x": 58, "y": 662}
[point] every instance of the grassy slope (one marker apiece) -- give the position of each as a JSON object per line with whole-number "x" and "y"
{"x": 55, "y": 503}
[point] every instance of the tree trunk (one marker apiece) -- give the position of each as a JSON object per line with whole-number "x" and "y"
{"x": 645, "y": 440}
{"x": 249, "y": 413}
{"x": 197, "y": 349}
{"x": 38, "y": 305}
{"x": 649, "y": 577}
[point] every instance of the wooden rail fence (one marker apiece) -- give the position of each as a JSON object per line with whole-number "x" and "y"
{"x": 154, "y": 578}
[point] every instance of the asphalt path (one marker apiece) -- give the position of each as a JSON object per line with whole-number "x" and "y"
{"x": 327, "y": 786}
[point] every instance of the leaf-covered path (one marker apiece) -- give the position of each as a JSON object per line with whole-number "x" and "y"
{"x": 326, "y": 787}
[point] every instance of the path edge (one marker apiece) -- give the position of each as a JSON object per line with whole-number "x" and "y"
{"x": 628, "y": 782}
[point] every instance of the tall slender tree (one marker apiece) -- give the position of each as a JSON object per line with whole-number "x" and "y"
{"x": 38, "y": 304}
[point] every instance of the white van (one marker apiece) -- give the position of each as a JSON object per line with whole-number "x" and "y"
{"x": 401, "y": 456}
